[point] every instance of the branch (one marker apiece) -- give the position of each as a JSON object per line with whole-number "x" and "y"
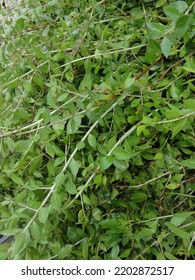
{"x": 24, "y": 75}
{"x": 92, "y": 176}
{"x": 146, "y": 183}
{"x": 66, "y": 166}
{"x": 173, "y": 120}
{"x": 148, "y": 68}
{"x": 101, "y": 54}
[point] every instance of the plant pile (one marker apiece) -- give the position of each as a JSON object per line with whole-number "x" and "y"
{"x": 97, "y": 132}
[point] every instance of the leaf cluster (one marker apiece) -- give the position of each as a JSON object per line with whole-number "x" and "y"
{"x": 97, "y": 130}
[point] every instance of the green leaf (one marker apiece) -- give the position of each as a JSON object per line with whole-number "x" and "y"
{"x": 58, "y": 161}
{"x": 138, "y": 197}
{"x": 49, "y": 148}
{"x": 74, "y": 167}
{"x": 58, "y": 151}
{"x": 178, "y": 127}
{"x": 157, "y": 30}
{"x": 181, "y": 6}
{"x": 189, "y": 103}
{"x": 35, "y": 231}
{"x": 170, "y": 256}
{"x": 173, "y": 113}
{"x": 86, "y": 83}
{"x": 111, "y": 223}
{"x": 87, "y": 65}
{"x": 75, "y": 234}
{"x": 81, "y": 216}
{"x": 51, "y": 101}
{"x": 158, "y": 156}
{"x": 70, "y": 186}
{"x": 62, "y": 97}
{"x": 145, "y": 233}
{"x": 43, "y": 214}
{"x": 35, "y": 163}
{"x": 106, "y": 162}
{"x": 46, "y": 116}
{"x": 129, "y": 82}
{"x": 171, "y": 12}
{"x": 80, "y": 145}
{"x": 92, "y": 140}
{"x": 94, "y": 199}
{"x": 178, "y": 232}
{"x": 17, "y": 179}
{"x": 3, "y": 250}
{"x": 58, "y": 127}
{"x": 20, "y": 243}
{"x": 179, "y": 218}
{"x": 56, "y": 200}
{"x": 189, "y": 66}
{"x": 98, "y": 179}
{"x": 153, "y": 51}
{"x": 86, "y": 200}
{"x": 189, "y": 163}
{"x": 175, "y": 92}
{"x": 85, "y": 249}
{"x": 2, "y": 57}
{"x": 125, "y": 254}
{"x": 147, "y": 120}
{"x": 121, "y": 154}
{"x": 60, "y": 179}
{"x": 73, "y": 125}
{"x": 69, "y": 76}
{"x": 50, "y": 168}
{"x": 183, "y": 22}
{"x": 135, "y": 103}
{"x": 160, "y": 3}
{"x": 172, "y": 186}
{"x": 11, "y": 231}
{"x": 38, "y": 81}
{"x": 58, "y": 56}
{"x": 182, "y": 25}
{"x": 114, "y": 252}
{"x": 96, "y": 213}
{"x": 166, "y": 46}
{"x": 141, "y": 129}
{"x": 65, "y": 251}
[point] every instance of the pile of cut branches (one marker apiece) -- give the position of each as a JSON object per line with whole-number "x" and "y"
{"x": 97, "y": 130}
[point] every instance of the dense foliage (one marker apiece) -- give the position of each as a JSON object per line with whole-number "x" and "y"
{"x": 97, "y": 129}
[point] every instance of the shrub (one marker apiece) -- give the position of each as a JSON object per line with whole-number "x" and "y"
{"x": 97, "y": 130}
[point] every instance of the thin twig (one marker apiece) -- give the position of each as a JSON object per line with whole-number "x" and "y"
{"x": 14, "y": 133}
{"x": 102, "y": 54}
{"x": 53, "y": 187}
{"x": 17, "y": 131}
{"x": 148, "y": 182}
{"x": 93, "y": 174}
{"x": 152, "y": 219}
{"x": 24, "y": 75}
{"x": 148, "y": 68}
{"x": 168, "y": 69}
{"x": 190, "y": 8}
{"x": 173, "y": 120}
